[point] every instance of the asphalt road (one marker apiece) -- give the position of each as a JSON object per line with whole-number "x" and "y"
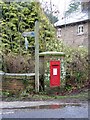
{"x": 63, "y": 112}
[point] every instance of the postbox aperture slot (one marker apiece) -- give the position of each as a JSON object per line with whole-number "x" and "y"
{"x": 54, "y": 65}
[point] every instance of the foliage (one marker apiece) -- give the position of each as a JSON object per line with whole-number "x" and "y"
{"x": 51, "y": 11}
{"x": 80, "y": 96}
{"x": 73, "y": 7}
{"x": 18, "y": 18}
{"x": 51, "y": 17}
{"x": 14, "y": 63}
{"x": 76, "y": 67}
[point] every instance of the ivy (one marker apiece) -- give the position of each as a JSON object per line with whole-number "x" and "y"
{"x": 20, "y": 17}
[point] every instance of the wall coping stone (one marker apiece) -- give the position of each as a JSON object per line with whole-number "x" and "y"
{"x": 51, "y": 53}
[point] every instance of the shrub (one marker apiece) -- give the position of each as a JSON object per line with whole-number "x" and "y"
{"x": 76, "y": 67}
{"x": 17, "y": 63}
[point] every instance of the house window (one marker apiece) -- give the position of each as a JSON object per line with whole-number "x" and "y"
{"x": 80, "y": 29}
{"x": 59, "y": 32}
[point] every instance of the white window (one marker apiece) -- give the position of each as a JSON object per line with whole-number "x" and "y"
{"x": 59, "y": 32}
{"x": 80, "y": 29}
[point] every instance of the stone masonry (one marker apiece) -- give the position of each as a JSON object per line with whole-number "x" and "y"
{"x": 70, "y": 36}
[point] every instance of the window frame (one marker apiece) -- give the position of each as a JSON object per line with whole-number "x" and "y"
{"x": 80, "y": 30}
{"x": 59, "y": 32}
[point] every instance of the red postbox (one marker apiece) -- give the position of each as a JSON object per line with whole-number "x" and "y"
{"x": 54, "y": 73}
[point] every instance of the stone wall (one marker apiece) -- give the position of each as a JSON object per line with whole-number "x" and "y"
{"x": 16, "y": 86}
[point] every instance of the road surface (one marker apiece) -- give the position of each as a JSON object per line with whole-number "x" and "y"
{"x": 54, "y": 111}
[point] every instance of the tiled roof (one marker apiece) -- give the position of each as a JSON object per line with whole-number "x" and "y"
{"x": 74, "y": 18}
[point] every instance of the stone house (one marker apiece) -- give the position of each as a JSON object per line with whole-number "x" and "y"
{"x": 73, "y": 30}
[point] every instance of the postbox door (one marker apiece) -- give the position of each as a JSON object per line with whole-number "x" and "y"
{"x": 54, "y": 73}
